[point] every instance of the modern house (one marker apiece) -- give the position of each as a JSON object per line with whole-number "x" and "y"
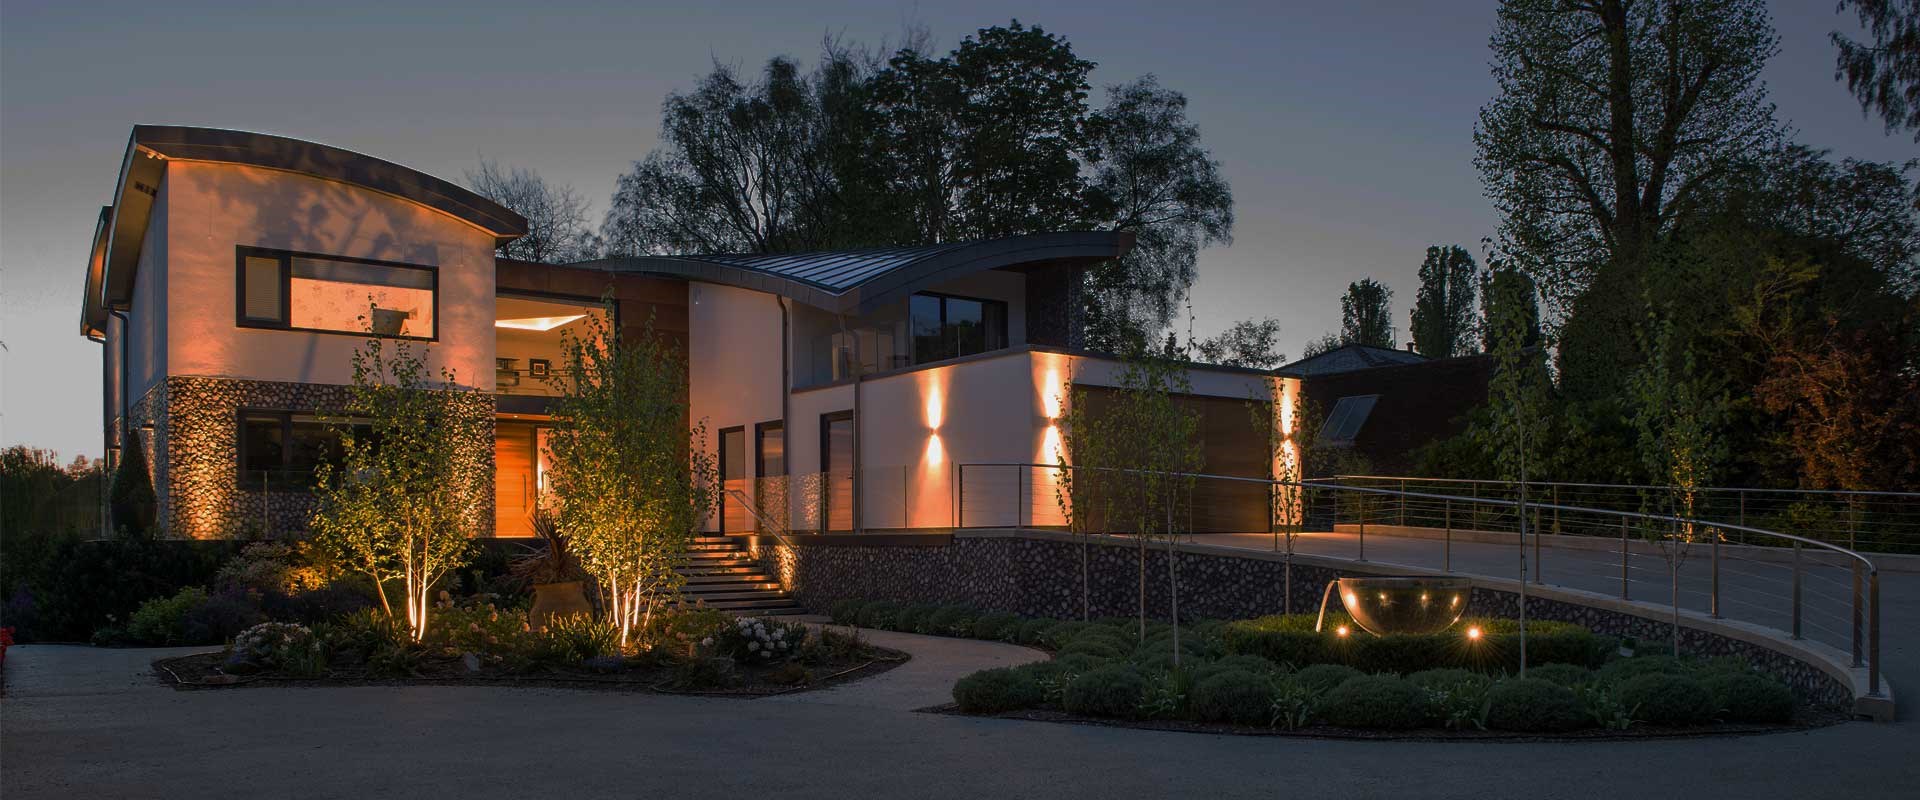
{"x": 843, "y": 392}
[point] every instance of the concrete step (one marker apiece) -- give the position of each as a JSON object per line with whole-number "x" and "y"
{"x": 702, "y": 589}
{"x": 750, "y": 594}
{"x": 743, "y": 569}
{"x": 756, "y": 605}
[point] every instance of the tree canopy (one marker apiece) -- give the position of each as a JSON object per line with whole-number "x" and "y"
{"x": 1366, "y": 314}
{"x": 1443, "y": 317}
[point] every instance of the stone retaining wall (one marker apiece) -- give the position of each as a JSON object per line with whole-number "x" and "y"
{"x": 1039, "y": 575}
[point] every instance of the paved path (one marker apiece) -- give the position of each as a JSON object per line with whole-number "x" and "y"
{"x": 84, "y": 722}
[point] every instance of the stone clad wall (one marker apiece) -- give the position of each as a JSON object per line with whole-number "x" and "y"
{"x": 202, "y": 495}
{"x": 1040, "y": 576}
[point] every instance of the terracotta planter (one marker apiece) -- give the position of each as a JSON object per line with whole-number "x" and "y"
{"x": 552, "y": 600}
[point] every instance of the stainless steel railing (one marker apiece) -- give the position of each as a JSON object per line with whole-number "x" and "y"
{"x": 1819, "y": 589}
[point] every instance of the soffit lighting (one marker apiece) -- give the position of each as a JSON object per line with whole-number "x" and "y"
{"x": 542, "y": 324}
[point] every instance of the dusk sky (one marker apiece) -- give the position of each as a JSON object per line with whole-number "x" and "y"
{"x": 1345, "y": 128}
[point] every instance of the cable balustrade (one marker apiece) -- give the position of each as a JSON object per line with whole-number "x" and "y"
{"x": 1802, "y": 584}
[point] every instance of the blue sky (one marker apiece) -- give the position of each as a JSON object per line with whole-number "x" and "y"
{"x": 1346, "y": 128}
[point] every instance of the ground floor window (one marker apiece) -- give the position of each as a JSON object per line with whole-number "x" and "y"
{"x": 279, "y": 450}
{"x": 836, "y": 467}
{"x": 733, "y": 481}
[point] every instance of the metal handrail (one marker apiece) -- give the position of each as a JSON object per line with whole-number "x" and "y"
{"x": 746, "y": 504}
{"x": 1872, "y": 660}
{"x": 1643, "y": 487}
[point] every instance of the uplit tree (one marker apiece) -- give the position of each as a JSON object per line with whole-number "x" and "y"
{"x": 1679, "y": 415}
{"x": 632, "y": 480}
{"x": 401, "y": 501}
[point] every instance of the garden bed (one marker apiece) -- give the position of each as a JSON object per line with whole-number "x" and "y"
{"x": 1278, "y": 675}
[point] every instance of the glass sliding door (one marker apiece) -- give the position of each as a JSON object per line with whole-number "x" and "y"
{"x": 733, "y": 481}
{"x": 770, "y": 473}
{"x": 836, "y": 466}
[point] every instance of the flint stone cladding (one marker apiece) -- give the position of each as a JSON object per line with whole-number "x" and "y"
{"x": 1040, "y": 577}
{"x": 196, "y": 451}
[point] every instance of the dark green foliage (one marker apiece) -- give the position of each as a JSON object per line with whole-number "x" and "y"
{"x": 1276, "y": 641}
{"x": 847, "y": 612}
{"x": 88, "y": 583}
{"x": 1323, "y": 678}
{"x": 1402, "y": 653}
{"x": 996, "y": 626}
{"x": 1446, "y": 677}
{"x": 1667, "y": 699}
{"x": 952, "y": 621}
{"x": 912, "y": 617}
{"x": 878, "y": 614}
{"x": 1533, "y": 705}
{"x": 1098, "y": 647}
{"x": 1443, "y": 310}
{"x": 1058, "y": 634}
{"x": 1568, "y": 675}
{"x": 130, "y": 499}
{"x": 1233, "y": 695}
{"x": 1374, "y": 701}
{"x": 1750, "y": 698}
{"x": 1108, "y": 691}
{"x": 1030, "y": 631}
{"x": 1628, "y": 668}
{"x": 1201, "y": 670}
{"x": 992, "y": 691}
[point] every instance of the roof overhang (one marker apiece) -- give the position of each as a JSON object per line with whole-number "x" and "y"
{"x": 93, "y": 313}
{"x": 938, "y": 265}
{"x": 124, "y": 225}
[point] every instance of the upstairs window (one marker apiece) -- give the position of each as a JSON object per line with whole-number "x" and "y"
{"x": 950, "y": 327}
{"x": 333, "y": 294}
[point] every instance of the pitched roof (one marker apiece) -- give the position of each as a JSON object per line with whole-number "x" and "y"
{"x": 1348, "y": 358}
{"x": 859, "y": 281}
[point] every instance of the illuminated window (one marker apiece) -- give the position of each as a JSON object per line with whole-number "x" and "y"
{"x": 301, "y": 291}
{"x": 949, "y": 327}
{"x": 279, "y": 450}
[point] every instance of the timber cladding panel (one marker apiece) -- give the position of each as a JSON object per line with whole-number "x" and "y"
{"x": 1232, "y": 443}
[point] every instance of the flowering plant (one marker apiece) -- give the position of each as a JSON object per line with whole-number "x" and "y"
{"x": 758, "y": 640}
{"x": 275, "y": 644}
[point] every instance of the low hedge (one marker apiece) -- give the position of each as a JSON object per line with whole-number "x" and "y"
{"x": 1662, "y": 699}
{"x": 1323, "y": 678}
{"x": 1533, "y": 705}
{"x": 1374, "y": 701}
{"x": 1113, "y": 690}
{"x": 992, "y": 691}
{"x": 1233, "y": 695}
{"x": 1568, "y": 675}
{"x": 1750, "y": 698}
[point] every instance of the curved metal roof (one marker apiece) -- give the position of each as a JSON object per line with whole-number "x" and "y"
{"x": 859, "y": 281}
{"x": 151, "y": 146}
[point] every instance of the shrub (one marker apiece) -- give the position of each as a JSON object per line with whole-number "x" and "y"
{"x": 220, "y": 617}
{"x": 1456, "y": 698}
{"x": 1374, "y": 701}
{"x": 1057, "y": 635}
{"x": 1568, "y": 675}
{"x": 162, "y": 620}
{"x": 1110, "y": 691}
{"x": 274, "y": 568}
{"x": 991, "y": 691}
{"x": 1030, "y": 631}
{"x": 1400, "y": 654}
{"x": 1278, "y": 639}
{"x": 1233, "y": 695}
{"x": 277, "y": 645}
{"x": 995, "y": 626}
{"x": 1254, "y": 664}
{"x": 1323, "y": 678}
{"x": 1096, "y": 646}
{"x": 1533, "y": 705}
{"x": 911, "y": 617}
{"x": 574, "y": 639}
{"x": 1448, "y": 676}
{"x": 952, "y": 621}
{"x": 878, "y": 614}
{"x": 688, "y": 628}
{"x": 1667, "y": 699}
{"x": 1627, "y": 669}
{"x": 847, "y": 612}
{"x": 760, "y": 640}
{"x": 1750, "y": 698}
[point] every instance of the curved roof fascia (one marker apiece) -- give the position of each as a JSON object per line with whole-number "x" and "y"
{"x": 817, "y": 280}
{"x": 151, "y": 146}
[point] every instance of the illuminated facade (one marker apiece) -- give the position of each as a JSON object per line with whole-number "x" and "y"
{"x": 235, "y": 274}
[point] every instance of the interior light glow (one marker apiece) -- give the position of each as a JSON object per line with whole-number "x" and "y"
{"x": 542, "y": 324}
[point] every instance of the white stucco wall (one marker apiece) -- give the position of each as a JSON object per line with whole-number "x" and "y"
{"x": 210, "y": 209}
{"x": 147, "y": 331}
{"x": 733, "y": 362}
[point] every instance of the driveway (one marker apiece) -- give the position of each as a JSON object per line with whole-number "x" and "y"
{"x": 84, "y": 722}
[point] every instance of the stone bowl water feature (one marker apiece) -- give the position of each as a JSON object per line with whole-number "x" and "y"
{"x": 1381, "y": 606}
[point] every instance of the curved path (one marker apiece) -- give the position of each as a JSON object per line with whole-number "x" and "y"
{"x": 84, "y": 722}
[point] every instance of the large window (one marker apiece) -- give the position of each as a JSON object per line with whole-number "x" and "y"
{"x": 279, "y": 450}
{"x": 733, "y": 479}
{"x": 303, "y": 291}
{"x": 950, "y": 327}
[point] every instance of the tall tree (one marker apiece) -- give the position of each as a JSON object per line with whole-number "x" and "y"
{"x": 1152, "y": 176}
{"x": 1443, "y": 309}
{"x": 1247, "y": 343}
{"x": 1612, "y": 120}
{"x": 1884, "y": 74}
{"x": 556, "y": 215}
{"x": 1366, "y": 315}
{"x": 1863, "y": 207}
{"x": 1509, "y": 294}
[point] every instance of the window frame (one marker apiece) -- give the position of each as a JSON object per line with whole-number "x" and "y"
{"x": 1006, "y": 338}
{"x": 760, "y": 430}
{"x": 720, "y": 464}
{"x": 285, "y": 322}
{"x": 285, "y": 418}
